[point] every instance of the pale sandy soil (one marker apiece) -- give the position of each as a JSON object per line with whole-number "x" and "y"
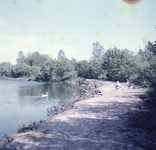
{"x": 93, "y": 124}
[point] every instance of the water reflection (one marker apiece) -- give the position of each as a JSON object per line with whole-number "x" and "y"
{"x": 32, "y": 94}
{"x": 22, "y": 100}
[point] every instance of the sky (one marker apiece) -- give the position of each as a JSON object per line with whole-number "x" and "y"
{"x": 47, "y": 26}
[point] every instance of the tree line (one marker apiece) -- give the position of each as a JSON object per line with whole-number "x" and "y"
{"x": 111, "y": 64}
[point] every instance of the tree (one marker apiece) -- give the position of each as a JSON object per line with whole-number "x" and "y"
{"x": 82, "y": 68}
{"x": 95, "y": 68}
{"x": 21, "y": 57}
{"x": 46, "y": 71}
{"x": 144, "y": 66}
{"x": 151, "y": 47}
{"x": 35, "y": 70}
{"x": 98, "y": 51}
{"x": 117, "y": 63}
{"x": 21, "y": 70}
{"x": 5, "y": 69}
{"x": 36, "y": 58}
{"x": 61, "y": 55}
{"x": 29, "y": 59}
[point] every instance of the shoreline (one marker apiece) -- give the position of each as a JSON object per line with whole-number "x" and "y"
{"x": 14, "y": 79}
{"x": 86, "y": 83}
{"x": 34, "y": 125}
{"x": 87, "y": 120}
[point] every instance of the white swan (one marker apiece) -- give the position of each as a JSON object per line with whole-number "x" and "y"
{"x": 128, "y": 84}
{"x": 45, "y": 95}
{"x": 117, "y": 85}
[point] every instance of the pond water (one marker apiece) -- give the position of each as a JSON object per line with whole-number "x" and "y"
{"x": 22, "y": 100}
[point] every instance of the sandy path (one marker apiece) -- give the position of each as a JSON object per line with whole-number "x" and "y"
{"x": 93, "y": 124}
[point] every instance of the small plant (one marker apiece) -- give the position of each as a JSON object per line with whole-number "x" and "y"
{"x": 21, "y": 126}
{"x": 8, "y": 138}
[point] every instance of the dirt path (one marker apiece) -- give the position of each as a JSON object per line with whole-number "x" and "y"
{"x": 93, "y": 124}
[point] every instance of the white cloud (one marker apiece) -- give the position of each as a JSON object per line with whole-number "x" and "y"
{"x": 20, "y": 39}
{"x": 11, "y": 45}
{"x": 60, "y": 36}
{"x": 73, "y": 35}
{"x": 4, "y": 23}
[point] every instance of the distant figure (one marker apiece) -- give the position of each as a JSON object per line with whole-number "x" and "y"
{"x": 45, "y": 95}
{"x": 95, "y": 85}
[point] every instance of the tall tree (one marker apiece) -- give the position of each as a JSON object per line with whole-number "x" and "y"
{"x": 61, "y": 55}
{"x": 5, "y": 69}
{"x": 151, "y": 47}
{"x": 98, "y": 51}
{"x": 21, "y": 57}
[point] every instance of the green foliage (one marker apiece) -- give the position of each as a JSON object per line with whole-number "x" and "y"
{"x": 20, "y": 126}
{"x": 21, "y": 57}
{"x": 69, "y": 72}
{"x": 143, "y": 68}
{"x": 35, "y": 71}
{"x": 58, "y": 70}
{"x": 82, "y": 68}
{"x": 36, "y": 59}
{"x": 151, "y": 47}
{"x": 113, "y": 64}
{"x": 116, "y": 63}
{"x": 20, "y": 70}
{"x": 61, "y": 55}
{"x": 63, "y": 62}
{"x": 98, "y": 51}
{"x": 64, "y": 70}
{"x": 5, "y": 69}
{"x": 95, "y": 68}
{"x": 45, "y": 73}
